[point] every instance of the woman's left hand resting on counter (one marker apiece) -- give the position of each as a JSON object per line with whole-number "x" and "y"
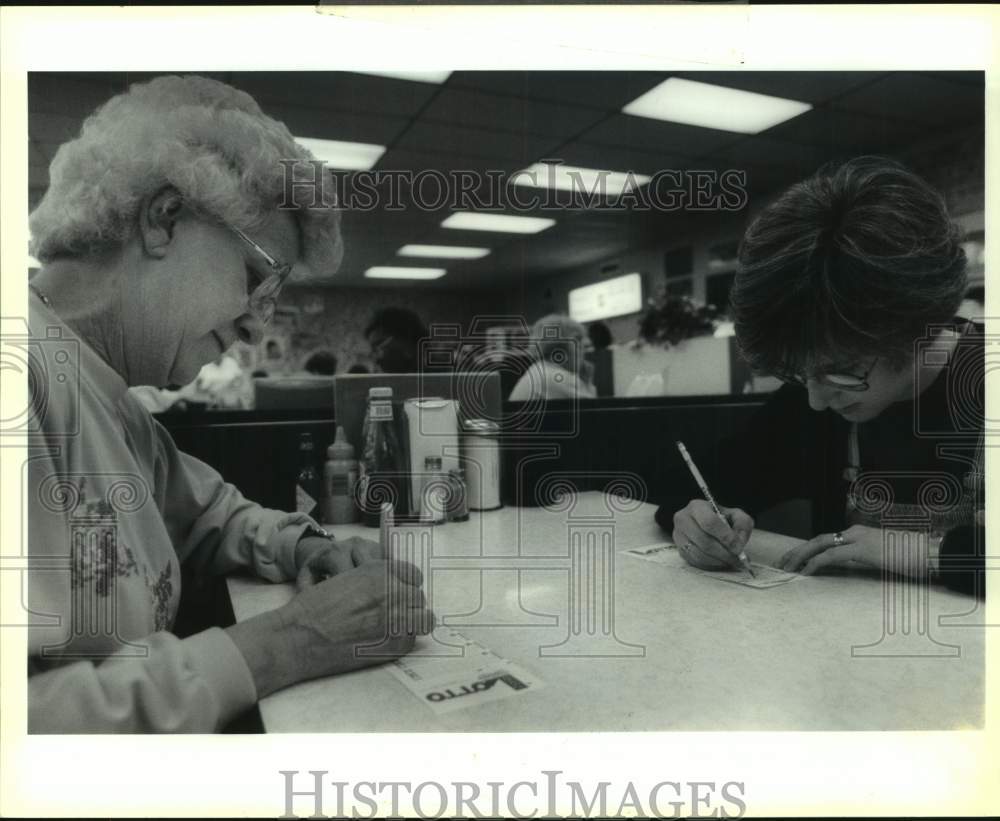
{"x": 861, "y": 545}
{"x": 317, "y": 558}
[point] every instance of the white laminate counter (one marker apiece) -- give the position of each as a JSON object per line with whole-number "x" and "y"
{"x": 626, "y": 645}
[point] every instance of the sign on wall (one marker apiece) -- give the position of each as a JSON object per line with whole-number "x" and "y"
{"x": 613, "y": 297}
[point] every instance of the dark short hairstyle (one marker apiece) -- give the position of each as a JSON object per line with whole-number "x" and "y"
{"x": 600, "y": 335}
{"x": 856, "y": 261}
{"x": 323, "y": 363}
{"x": 401, "y": 323}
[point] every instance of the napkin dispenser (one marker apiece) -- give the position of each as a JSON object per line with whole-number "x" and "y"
{"x": 432, "y": 428}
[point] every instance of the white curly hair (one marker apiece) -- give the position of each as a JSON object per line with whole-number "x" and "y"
{"x": 559, "y": 339}
{"x": 206, "y": 139}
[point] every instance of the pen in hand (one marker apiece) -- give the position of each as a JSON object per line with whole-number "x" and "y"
{"x": 742, "y": 555}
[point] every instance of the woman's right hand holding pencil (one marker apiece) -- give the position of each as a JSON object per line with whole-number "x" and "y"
{"x": 707, "y": 542}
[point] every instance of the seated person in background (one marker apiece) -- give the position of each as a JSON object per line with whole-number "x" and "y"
{"x": 221, "y": 383}
{"x": 394, "y": 336}
{"x": 358, "y": 369}
{"x": 847, "y": 290}
{"x": 600, "y": 335}
{"x": 162, "y": 242}
{"x": 561, "y": 370}
{"x": 321, "y": 363}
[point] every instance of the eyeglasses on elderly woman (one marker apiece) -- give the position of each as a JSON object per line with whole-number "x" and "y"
{"x": 263, "y": 300}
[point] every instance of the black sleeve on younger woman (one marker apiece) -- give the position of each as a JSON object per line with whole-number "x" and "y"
{"x": 962, "y": 562}
{"x": 776, "y": 457}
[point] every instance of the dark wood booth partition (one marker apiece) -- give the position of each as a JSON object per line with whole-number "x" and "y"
{"x": 588, "y": 443}
{"x": 256, "y": 450}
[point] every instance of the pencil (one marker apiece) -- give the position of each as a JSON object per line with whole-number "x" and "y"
{"x": 711, "y": 500}
{"x": 385, "y": 521}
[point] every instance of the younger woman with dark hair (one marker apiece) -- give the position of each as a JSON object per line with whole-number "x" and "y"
{"x": 847, "y": 289}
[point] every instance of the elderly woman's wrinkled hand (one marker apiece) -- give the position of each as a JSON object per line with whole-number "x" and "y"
{"x": 318, "y": 559}
{"x": 327, "y": 628}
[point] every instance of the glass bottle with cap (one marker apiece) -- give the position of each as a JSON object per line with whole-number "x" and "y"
{"x": 382, "y": 476}
{"x": 307, "y": 484}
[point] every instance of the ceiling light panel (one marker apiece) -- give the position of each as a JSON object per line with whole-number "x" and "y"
{"x": 579, "y": 180}
{"x": 443, "y": 251}
{"x": 689, "y": 102}
{"x": 344, "y": 155}
{"x": 503, "y": 223}
{"x": 399, "y": 272}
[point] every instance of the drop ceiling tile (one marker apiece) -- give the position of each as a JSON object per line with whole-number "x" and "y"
{"x": 423, "y": 136}
{"x": 606, "y": 90}
{"x": 37, "y": 155}
{"x": 70, "y": 95}
{"x": 764, "y": 150}
{"x": 381, "y": 225}
{"x": 38, "y": 168}
{"x": 402, "y": 158}
{"x": 52, "y": 130}
{"x": 760, "y": 178}
{"x": 340, "y": 125}
{"x": 805, "y": 86}
{"x": 973, "y": 78}
{"x": 919, "y": 99}
{"x": 432, "y": 182}
{"x": 35, "y": 194}
{"x": 337, "y": 90}
{"x": 656, "y": 136}
{"x": 504, "y": 113}
{"x": 840, "y": 133}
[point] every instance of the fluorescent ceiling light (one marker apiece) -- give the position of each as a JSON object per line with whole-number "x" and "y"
{"x": 727, "y": 109}
{"x": 340, "y": 154}
{"x": 417, "y": 76}
{"x": 394, "y": 272}
{"x": 579, "y": 180}
{"x": 504, "y": 223}
{"x": 443, "y": 251}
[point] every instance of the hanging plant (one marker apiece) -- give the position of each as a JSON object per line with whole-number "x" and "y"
{"x": 670, "y": 320}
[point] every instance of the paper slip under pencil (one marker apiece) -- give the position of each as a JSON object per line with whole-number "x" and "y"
{"x": 663, "y": 553}
{"x": 666, "y": 554}
{"x": 446, "y": 683}
{"x": 766, "y": 576}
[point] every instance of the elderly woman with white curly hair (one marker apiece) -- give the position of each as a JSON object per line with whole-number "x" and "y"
{"x": 560, "y": 369}
{"x": 168, "y": 229}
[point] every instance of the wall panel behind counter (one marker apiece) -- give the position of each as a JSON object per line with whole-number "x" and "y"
{"x": 592, "y": 440}
{"x": 258, "y": 451}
